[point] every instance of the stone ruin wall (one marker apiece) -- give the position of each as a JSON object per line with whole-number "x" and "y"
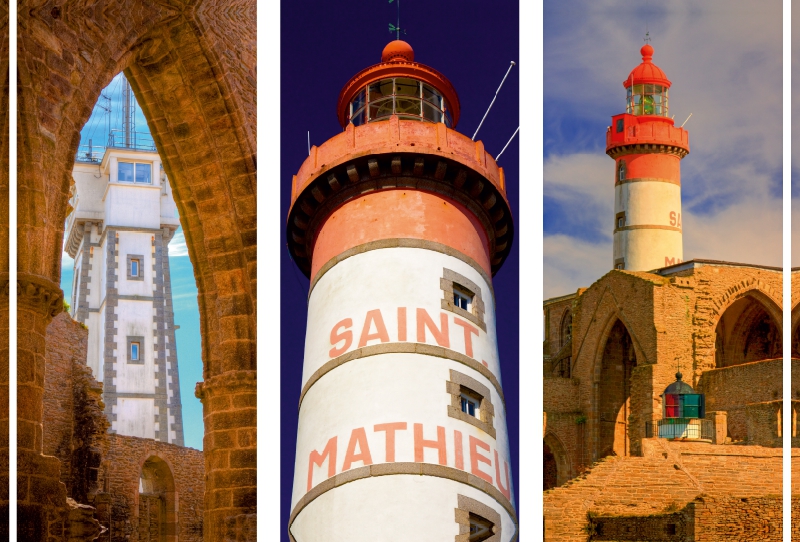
{"x": 102, "y": 469}
{"x": 705, "y": 492}
{"x": 118, "y": 502}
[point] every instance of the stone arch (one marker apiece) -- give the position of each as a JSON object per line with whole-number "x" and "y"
{"x": 565, "y": 328}
{"x": 556, "y": 462}
{"x": 749, "y": 329}
{"x": 157, "y": 509}
{"x": 796, "y": 331}
{"x": 616, "y": 360}
{"x": 192, "y": 68}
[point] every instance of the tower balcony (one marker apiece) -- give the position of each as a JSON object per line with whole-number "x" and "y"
{"x": 652, "y": 133}
{"x": 392, "y": 154}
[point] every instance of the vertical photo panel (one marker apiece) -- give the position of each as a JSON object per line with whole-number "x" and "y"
{"x": 136, "y": 276}
{"x": 400, "y": 279}
{"x": 662, "y": 271}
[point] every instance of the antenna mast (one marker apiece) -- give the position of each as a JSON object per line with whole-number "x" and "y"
{"x": 127, "y": 112}
{"x": 393, "y": 28}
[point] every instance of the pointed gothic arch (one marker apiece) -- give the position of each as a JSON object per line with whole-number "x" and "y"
{"x": 748, "y": 330}
{"x": 556, "y": 462}
{"x": 613, "y": 397}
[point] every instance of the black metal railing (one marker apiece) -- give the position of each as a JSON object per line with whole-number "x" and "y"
{"x": 680, "y": 428}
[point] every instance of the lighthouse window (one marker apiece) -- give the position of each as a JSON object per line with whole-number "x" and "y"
{"x": 135, "y": 354}
{"x": 621, "y": 170}
{"x": 648, "y": 100}
{"x": 128, "y": 172}
{"x": 135, "y": 271}
{"x": 462, "y": 299}
{"x": 480, "y": 520}
{"x": 479, "y": 528}
{"x": 407, "y": 98}
{"x": 469, "y": 404}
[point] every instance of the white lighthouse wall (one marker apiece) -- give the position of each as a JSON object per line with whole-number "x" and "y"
{"x": 135, "y": 320}
{"x": 135, "y": 417}
{"x": 386, "y": 279}
{"x": 645, "y": 250}
{"x": 648, "y": 241}
{"x": 133, "y": 243}
{"x": 391, "y": 388}
{"x": 391, "y": 508}
{"x": 133, "y": 205}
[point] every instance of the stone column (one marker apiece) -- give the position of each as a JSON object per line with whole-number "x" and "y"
{"x": 41, "y": 497}
{"x": 229, "y": 415}
{"x": 4, "y": 406}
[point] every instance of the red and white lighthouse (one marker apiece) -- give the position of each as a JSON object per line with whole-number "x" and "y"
{"x": 400, "y": 222}
{"x": 647, "y": 149}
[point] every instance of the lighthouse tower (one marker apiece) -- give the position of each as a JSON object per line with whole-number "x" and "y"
{"x": 400, "y": 222}
{"x": 647, "y": 149}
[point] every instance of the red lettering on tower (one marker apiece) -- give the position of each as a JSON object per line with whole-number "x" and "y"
{"x": 420, "y": 444}
{"x": 468, "y": 331}
{"x": 475, "y": 458}
{"x": 347, "y": 336}
{"x": 380, "y": 329}
{"x": 390, "y": 428}
{"x": 442, "y": 335}
{"x": 357, "y": 437}
{"x": 315, "y": 458}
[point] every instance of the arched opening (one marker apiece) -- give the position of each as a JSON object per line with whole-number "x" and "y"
{"x": 198, "y": 99}
{"x": 796, "y": 332}
{"x": 747, "y": 332}
{"x": 566, "y": 328}
{"x": 556, "y": 465}
{"x": 157, "y": 503}
{"x": 614, "y": 392}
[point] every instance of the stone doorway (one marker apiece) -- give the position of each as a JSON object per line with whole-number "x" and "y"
{"x": 614, "y": 392}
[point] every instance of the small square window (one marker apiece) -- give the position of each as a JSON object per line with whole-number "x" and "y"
{"x": 620, "y": 125}
{"x": 461, "y": 298}
{"x": 469, "y": 404}
{"x": 125, "y": 172}
{"x": 620, "y": 266}
{"x": 139, "y": 172}
{"x": 480, "y": 528}
{"x": 135, "y": 271}
{"x": 620, "y": 222}
{"x": 135, "y": 351}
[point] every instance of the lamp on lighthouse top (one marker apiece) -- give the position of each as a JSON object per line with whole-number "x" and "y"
{"x": 398, "y": 86}
{"x": 648, "y": 87}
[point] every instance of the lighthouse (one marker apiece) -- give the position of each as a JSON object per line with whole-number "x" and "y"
{"x": 647, "y": 150}
{"x": 400, "y": 223}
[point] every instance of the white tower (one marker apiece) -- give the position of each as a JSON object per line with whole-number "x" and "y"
{"x": 122, "y": 218}
{"x": 400, "y": 222}
{"x": 647, "y": 149}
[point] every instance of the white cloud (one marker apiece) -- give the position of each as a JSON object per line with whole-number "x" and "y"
{"x": 177, "y": 246}
{"x": 570, "y": 263}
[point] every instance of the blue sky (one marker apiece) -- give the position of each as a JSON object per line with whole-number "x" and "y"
{"x": 724, "y": 59}
{"x": 184, "y": 288}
